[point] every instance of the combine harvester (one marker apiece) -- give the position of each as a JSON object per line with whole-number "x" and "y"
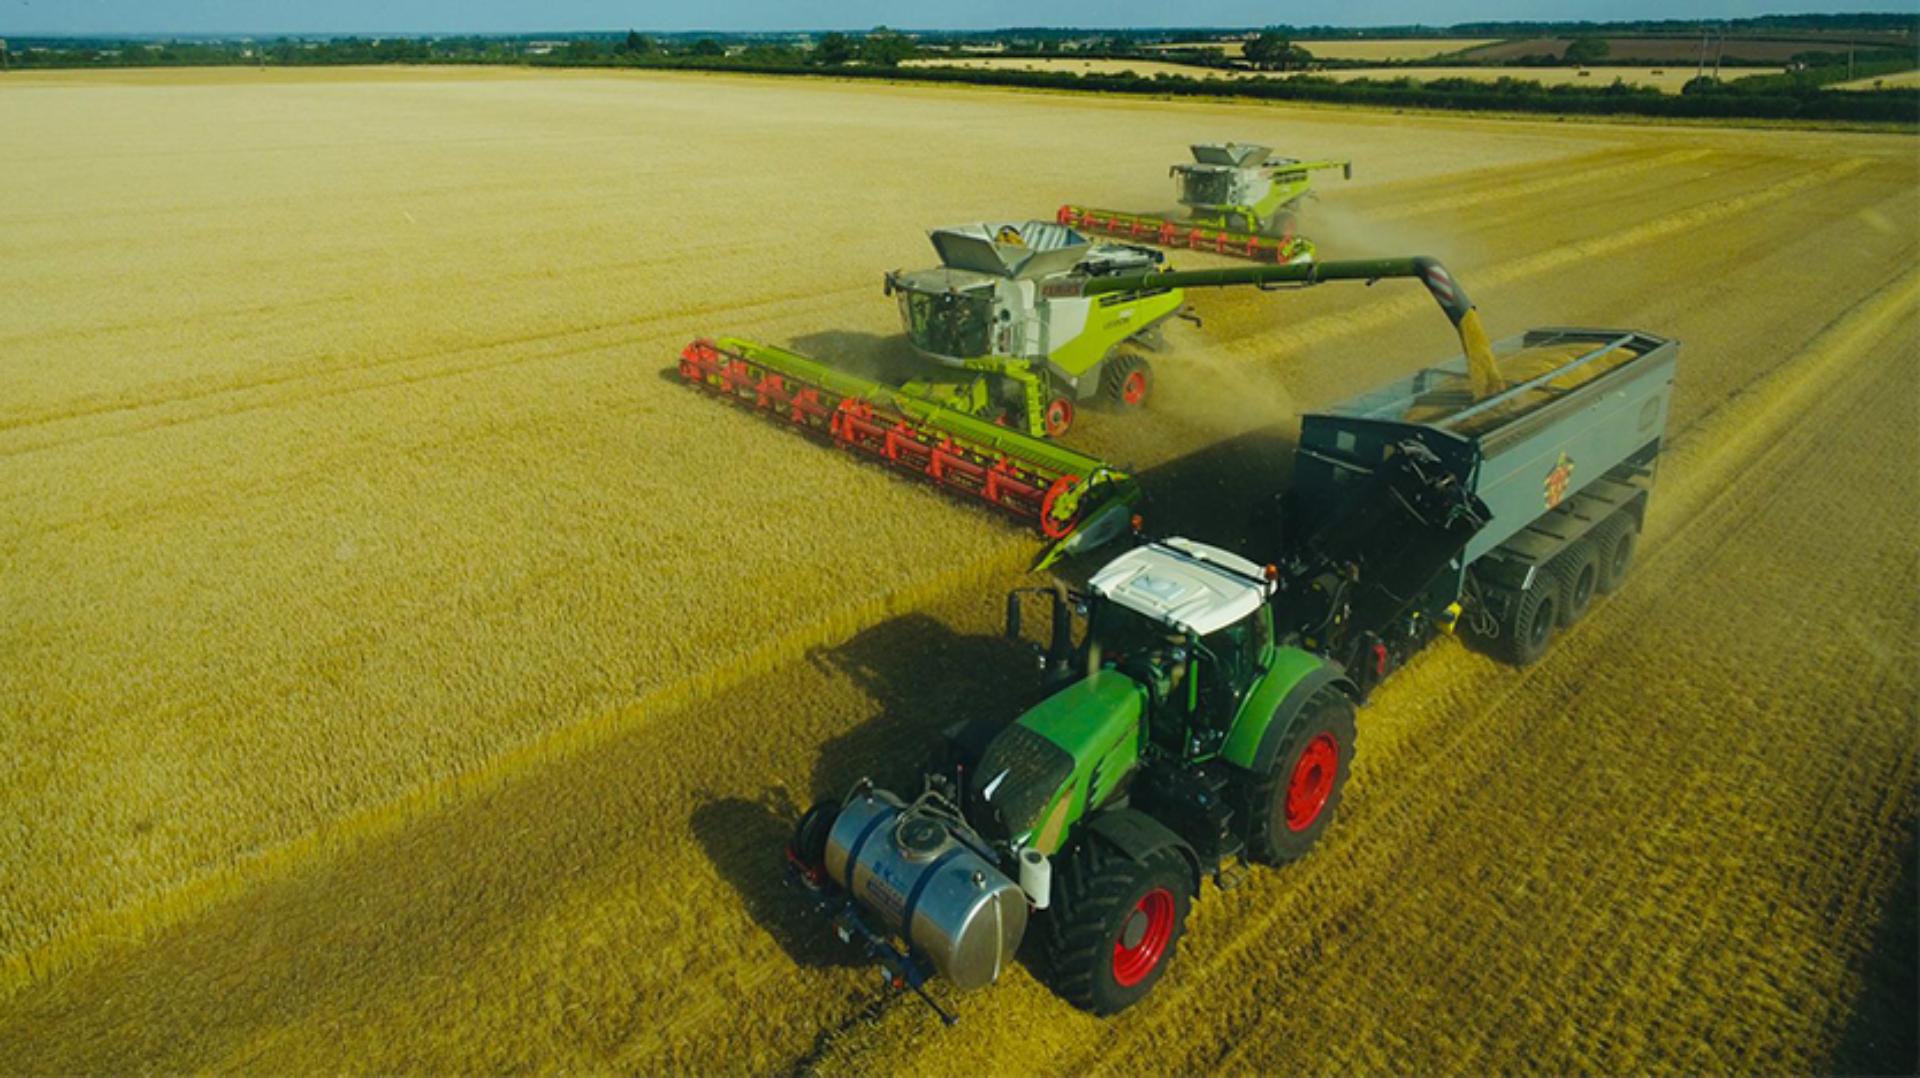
{"x": 1018, "y": 325}
{"x": 1199, "y": 708}
{"x": 1240, "y": 201}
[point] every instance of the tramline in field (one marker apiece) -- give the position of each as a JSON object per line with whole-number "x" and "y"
{"x": 1241, "y": 201}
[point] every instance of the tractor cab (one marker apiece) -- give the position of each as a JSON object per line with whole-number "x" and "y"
{"x": 1189, "y": 622}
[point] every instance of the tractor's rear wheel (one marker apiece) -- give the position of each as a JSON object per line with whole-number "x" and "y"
{"x": 1531, "y": 621}
{"x": 1292, "y": 805}
{"x": 1128, "y": 381}
{"x": 1615, "y": 540}
{"x": 1114, "y": 924}
{"x": 1578, "y": 570}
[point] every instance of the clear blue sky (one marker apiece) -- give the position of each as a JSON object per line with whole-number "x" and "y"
{"x": 24, "y": 17}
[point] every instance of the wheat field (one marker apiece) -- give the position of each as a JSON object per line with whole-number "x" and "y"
{"x": 399, "y": 670}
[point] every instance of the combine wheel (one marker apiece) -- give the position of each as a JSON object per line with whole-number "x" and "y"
{"x": 1531, "y": 622}
{"x": 1292, "y": 805}
{"x": 1114, "y": 924}
{"x": 1615, "y": 540}
{"x": 1127, "y": 380}
{"x": 1578, "y": 570}
{"x": 1058, "y": 417}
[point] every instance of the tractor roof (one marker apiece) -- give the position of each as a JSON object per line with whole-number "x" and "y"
{"x": 1185, "y": 584}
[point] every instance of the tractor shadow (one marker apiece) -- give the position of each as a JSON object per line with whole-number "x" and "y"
{"x": 922, "y": 675}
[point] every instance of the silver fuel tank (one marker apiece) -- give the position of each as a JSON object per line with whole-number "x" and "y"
{"x": 929, "y": 888}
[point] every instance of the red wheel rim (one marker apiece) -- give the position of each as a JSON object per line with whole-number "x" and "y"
{"x": 1134, "y": 389}
{"x": 1051, "y": 528}
{"x": 1143, "y": 937}
{"x": 1059, "y": 416}
{"x": 1312, "y": 782}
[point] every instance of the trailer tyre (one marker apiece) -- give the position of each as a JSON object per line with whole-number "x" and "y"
{"x": 1128, "y": 381}
{"x": 1533, "y": 617}
{"x": 1616, "y": 540}
{"x": 1578, "y": 570}
{"x": 1114, "y": 924}
{"x": 1291, "y": 806}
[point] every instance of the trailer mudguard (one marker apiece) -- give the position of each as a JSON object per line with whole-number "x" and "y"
{"x": 1140, "y": 836}
{"x": 1291, "y": 679}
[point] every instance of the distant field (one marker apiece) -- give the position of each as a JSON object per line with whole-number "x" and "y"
{"x": 1665, "y": 49}
{"x": 1666, "y": 79}
{"x": 1086, "y": 67}
{"x": 1904, "y": 80}
{"x": 1387, "y": 48}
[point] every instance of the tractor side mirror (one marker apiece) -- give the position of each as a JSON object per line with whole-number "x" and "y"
{"x": 1013, "y": 615}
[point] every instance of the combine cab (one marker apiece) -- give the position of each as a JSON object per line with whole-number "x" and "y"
{"x": 1240, "y": 201}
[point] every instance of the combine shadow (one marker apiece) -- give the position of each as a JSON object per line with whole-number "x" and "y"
{"x": 868, "y": 355}
{"x": 1227, "y": 493}
{"x": 923, "y": 676}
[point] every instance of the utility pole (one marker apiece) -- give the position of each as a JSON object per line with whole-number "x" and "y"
{"x": 1700, "y": 68}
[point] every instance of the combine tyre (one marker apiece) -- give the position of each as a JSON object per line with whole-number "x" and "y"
{"x": 1114, "y": 924}
{"x": 1127, "y": 381}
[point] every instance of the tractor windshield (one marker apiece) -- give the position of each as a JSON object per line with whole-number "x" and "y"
{"x": 955, "y": 324}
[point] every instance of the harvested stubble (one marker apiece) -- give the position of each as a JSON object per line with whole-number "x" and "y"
{"x": 309, "y": 532}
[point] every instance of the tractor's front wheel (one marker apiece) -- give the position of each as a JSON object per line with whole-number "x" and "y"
{"x": 1291, "y": 806}
{"x": 1114, "y": 924}
{"x": 1127, "y": 381}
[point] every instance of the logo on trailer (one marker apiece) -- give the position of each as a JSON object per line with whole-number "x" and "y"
{"x": 1557, "y": 481}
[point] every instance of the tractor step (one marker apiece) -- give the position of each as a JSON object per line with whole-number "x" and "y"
{"x": 1165, "y": 232}
{"x": 1072, "y": 498}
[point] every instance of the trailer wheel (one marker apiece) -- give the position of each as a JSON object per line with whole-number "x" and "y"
{"x": 1615, "y": 539}
{"x": 1291, "y": 806}
{"x": 1531, "y": 622}
{"x": 1114, "y": 924}
{"x": 1127, "y": 381}
{"x": 1578, "y": 570}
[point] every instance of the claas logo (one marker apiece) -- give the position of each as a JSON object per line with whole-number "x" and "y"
{"x": 1558, "y": 480}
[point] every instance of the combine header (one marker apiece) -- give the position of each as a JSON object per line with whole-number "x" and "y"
{"x": 1240, "y": 201}
{"x": 1076, "y": 501}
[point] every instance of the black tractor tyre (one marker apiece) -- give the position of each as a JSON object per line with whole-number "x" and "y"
{"x": 808, "y": 849}
{"x": 1114, "y": 924}
{"x": 1291, "y": 806}
{"x": 1127, "y": 381}
{"x": 1578, "y": 570}
{"x": 1531, "y": 621}
{"x": 1615, "y": 540}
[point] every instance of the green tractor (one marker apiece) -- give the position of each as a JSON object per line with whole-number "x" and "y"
{"x": 1199, "y": 718}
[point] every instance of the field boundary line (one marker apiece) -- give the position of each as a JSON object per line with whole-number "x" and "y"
{"x": 92, "y": 936}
